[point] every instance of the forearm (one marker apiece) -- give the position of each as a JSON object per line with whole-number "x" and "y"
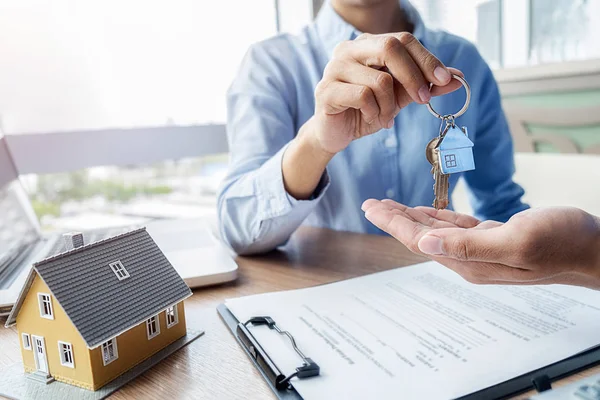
{"x": 304, "y": 163}
{"x": 255, "y": 212}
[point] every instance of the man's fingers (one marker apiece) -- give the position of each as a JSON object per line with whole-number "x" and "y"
{"x": 433, "y": 69}
{"x": 369, "y": 203}
{"x": 380, "y": 82}
{"x": 450, "y": 87}
{"x": 489, "y": 224}
{"x": 337, "y": 97}
{"x": 493, "y": 245}
{"x": 397, "y": 224}
{"x": 388, "y": 205}
{"x": 388, "y": 51}
{"x": 460, "y": 220}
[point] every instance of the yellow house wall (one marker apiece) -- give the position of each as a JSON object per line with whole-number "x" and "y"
{"x": 134, "y": 347}
{"x": 60, "y": 328}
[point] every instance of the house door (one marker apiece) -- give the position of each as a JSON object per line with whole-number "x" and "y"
{"x": 39, "y": 350}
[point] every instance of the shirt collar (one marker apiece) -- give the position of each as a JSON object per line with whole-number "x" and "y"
{"x": 332, "y": 29}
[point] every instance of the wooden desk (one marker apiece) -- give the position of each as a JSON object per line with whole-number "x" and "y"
{"x": 214, "y": 366}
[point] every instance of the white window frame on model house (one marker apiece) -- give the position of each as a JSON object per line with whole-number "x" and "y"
{"x": 106, "y": 347}
{"x": 26, "y": 341}
{"x": 65, "y": 352}
{"x": 171, "y": 316}
{"x": 153, "y": 327}
{"x": 45, "y": 303}
{"x": 119, "y": 270}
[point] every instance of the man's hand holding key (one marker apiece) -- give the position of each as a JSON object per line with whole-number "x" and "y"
{"x": 364, "y": 86}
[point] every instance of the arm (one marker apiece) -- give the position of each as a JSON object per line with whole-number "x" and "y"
{"x": 555, "y": 245}
{"x": 494, "y": 195}
{"x": 276, "y": 178}
{"x": 256, "y": 214}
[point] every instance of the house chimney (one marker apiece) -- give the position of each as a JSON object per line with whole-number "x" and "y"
{"x": 73, "y": 240}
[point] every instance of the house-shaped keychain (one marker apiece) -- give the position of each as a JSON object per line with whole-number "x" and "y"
{"x": 455, "y": 151}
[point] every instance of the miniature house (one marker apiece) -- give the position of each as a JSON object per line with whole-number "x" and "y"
{"x": 455, "y": 152}
{"x": 87, "y": 315}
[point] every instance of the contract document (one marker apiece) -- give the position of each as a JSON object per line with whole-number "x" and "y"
{"x": 421, "y": 332}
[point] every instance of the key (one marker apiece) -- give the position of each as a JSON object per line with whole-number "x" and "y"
{"x": 441, "y": 184}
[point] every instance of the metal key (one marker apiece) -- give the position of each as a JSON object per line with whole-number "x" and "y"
{"x": 441, "y": 184}
{"x": 452, "y": 147}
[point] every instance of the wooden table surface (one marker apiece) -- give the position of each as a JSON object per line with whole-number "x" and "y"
{"x": 214, "y": 366}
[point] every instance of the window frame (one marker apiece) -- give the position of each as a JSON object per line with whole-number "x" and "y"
{"x": 175, "y": 316}
{"x": 67, "y": 349}
{"x": 450, "y": 160}
{"x": 104, "y": 350}
{"x": 156, "y": 320}
{"x": 41, "y": 303}
{"x": 52, "y": 152}
{"x": 28, "y": 337}
{"x": 119, "y": 270}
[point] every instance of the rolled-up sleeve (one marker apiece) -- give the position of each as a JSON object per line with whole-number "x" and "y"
{"x": 256, "y": 214}
{"x": 494, "y": 194}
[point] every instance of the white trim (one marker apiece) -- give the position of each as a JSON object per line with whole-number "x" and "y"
{"x": 43, "y": 314}
{"x": 546, "y": 78}
{"x": 149, "y": 322}
{"x": 106, "y": 361}
{"x": 547, "y": 71}
{"x": 35, "y": 353}
{"x": 26, "y": 345}
{"x": 119, "y": 269}
{"x": 51, "y": 152}
{"x": 8, "y": 172}
{"x": 61, "y": 353}
{"x": 175, "y": 315}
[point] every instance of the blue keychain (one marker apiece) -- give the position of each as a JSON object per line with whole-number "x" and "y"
{"x": 450, "y": 152}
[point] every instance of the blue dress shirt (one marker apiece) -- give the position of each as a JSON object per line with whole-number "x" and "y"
{"x": 273, "y": 96}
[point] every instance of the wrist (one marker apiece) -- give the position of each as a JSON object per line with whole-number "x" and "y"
{"x": 309, "y": 141}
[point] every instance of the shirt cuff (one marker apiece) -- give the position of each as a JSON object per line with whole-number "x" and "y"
{"x": 275, "y": 200}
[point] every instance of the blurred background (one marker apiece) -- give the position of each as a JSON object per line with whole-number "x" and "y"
{"x": 113, "y": 112}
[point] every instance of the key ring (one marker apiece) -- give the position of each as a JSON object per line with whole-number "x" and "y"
{"x": 463, "y": 109}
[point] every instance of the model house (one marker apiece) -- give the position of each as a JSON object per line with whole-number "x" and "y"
{"x": 456, "y": 151}
{"x": 92, "y": 312}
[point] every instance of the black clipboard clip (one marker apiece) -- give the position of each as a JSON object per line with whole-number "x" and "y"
{"x": 309, "y": 368}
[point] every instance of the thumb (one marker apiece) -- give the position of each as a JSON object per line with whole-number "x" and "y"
{"x": 488, "y": 245}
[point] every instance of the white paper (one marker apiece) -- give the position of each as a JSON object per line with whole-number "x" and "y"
{"x": 421, "y": 332}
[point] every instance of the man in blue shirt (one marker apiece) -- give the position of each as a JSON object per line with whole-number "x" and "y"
{"x": 320, "y": 122}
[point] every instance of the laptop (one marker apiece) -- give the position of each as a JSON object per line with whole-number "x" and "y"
{"x": 191, "y": 245}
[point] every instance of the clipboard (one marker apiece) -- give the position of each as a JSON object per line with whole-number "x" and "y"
{"x": 275, "y": 378}
{"x": 540, "y": 379}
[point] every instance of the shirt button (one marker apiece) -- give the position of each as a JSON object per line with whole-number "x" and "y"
{"x": 390, "y": 142}
{"x": 389, "y": 193}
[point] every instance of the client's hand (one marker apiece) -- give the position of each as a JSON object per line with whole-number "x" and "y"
{"x": 537, "y": 246}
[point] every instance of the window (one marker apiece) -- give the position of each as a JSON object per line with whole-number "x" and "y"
{"x": 450, "y": 160}
{"x": 94, "y": 80}
{"x": 26, "y": 341}
{"x": 65, "y": 351}
{"x": 119, "y": 270}
{"x": 171, "y": 316}
{"x": 517, "y": 33}
{"x": 45, "y": 306}
{"x": 109, "y": 351}
{"x": 110, "y": 196}
{"x": 152, "y": 327}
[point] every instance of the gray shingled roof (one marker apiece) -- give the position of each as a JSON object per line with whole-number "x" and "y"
{"x": 99, "y": 305}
